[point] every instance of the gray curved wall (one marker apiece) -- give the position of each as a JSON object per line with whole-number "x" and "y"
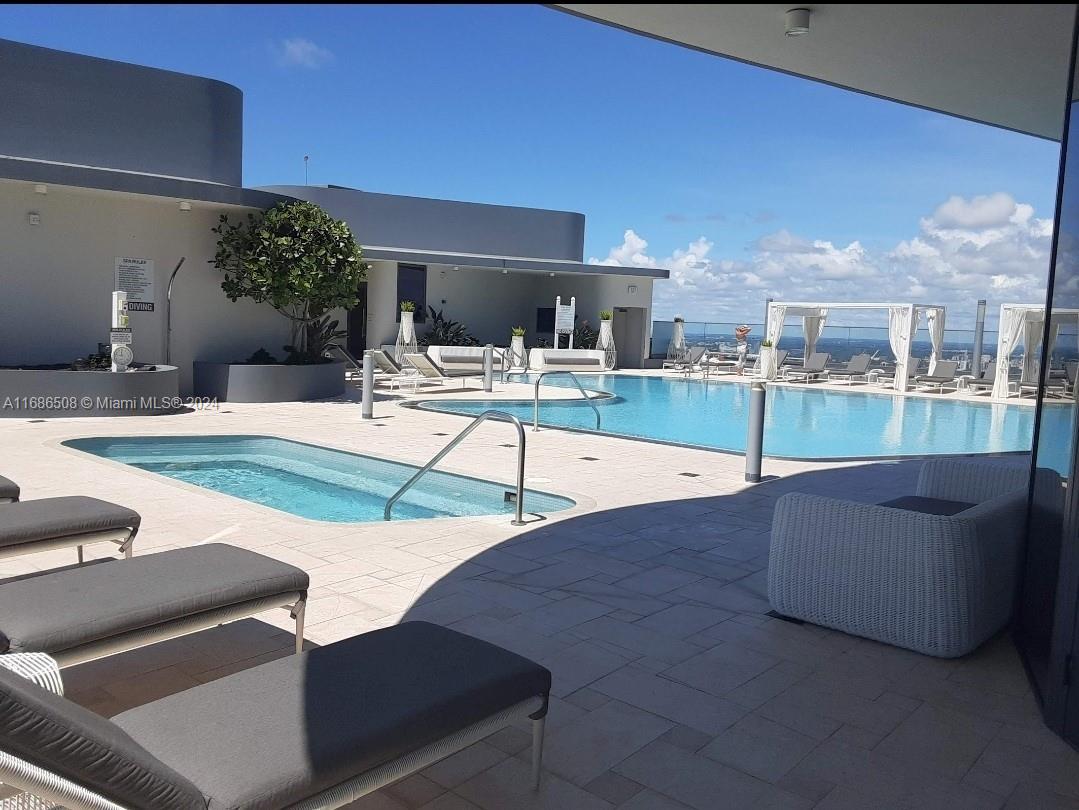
{"x": 448, "y": 226}
{"x": 78, "y": 109}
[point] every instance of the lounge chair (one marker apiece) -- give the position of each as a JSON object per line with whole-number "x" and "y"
{"x": 914, "y": 368}
{"x": 51, "y": 523}
{"x": 984, "y": 381}
{"x": 943, "y": 375}
{"x": 781, "y": 358}
{"x": 1054, "y": 387}
{"x": 82, "y": 613}
{"x": 385, "y": 364}
{"x": 689, "y": 363}
{"x": 814, "y": 369}
{"x": 320, "y": 729}
{"x": 857, "y": 366}
{"x": 9, "y": 490}
{"x": 419, "y": 370}
{"x": 716, "y": 362}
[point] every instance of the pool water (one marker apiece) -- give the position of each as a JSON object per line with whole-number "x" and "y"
{"x": 311, "y": 481}
{"x": 800, "y": 422}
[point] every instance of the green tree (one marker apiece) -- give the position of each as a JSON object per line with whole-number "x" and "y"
{"x": 300, "y": 260}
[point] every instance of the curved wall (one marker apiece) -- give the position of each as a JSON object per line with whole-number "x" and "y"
{"x": 69, "y": 108}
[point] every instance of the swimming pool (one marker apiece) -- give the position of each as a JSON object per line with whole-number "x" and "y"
{"x": 312, "y": 482}
{"x": 805, "y": 422}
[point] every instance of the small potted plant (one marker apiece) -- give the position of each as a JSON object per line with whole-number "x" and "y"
{"x": 768, "y": 360}
{"x": 605, "y": 341}
{"x": 518, "y": 360}
{"x": 406, "y": 335}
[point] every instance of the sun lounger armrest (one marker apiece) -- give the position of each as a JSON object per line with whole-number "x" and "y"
{"x": 36, "y": 667}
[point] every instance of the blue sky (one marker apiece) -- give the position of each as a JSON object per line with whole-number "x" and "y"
{"x": 744, "y": 182}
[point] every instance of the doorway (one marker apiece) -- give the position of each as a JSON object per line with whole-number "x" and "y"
{"x": 630, "y": 336}
{"x": 356, "y": 342}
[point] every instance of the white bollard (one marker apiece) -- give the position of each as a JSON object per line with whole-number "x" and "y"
{"x": 367, "y": 407}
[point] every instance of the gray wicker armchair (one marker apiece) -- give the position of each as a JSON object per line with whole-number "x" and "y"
{"x": 939, "y": 585}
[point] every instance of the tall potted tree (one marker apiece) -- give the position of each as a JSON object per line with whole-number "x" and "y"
{"x": 518, "y": 359}
{"x": 406, "y": 333}
{"x": 605, "y": 341}
{"x": 303, "y": 263}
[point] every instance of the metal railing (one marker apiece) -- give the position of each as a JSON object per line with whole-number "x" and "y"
{"x": 500, "y": 416}
{"x": 584, "y": 393}
{"x": 356, "y": 364}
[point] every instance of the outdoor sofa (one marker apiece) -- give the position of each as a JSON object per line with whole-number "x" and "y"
{"x": 586, "y": 360}
{"x": 51, "y": 523}
{"x": 81, "y": 613}
{"x": 934, "y": 572}
{"x": 315, "y": 730}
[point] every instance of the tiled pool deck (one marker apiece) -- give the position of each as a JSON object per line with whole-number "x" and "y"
{"x": 673, "y": 689}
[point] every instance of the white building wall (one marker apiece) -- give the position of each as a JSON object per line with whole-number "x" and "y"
{"x": 56, "y": 279}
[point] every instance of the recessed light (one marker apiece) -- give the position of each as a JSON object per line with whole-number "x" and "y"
{"x": 41, "y": 188}
{"x": 185, "y": 206}
{"x": 797, "y": 22}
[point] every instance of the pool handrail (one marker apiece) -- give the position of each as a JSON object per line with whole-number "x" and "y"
{"x": 535, "y": 398}
{"x": 500, "y": 416}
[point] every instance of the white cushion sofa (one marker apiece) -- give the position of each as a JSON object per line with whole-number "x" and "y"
{"x": 567, "y": 360}
{"x": 465, "y": 361}
{"x": 935, "y": 572}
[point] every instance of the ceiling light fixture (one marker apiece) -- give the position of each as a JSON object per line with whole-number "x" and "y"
{"x": 41, "y": 188}
{"x": 797, "y": 22}
{"x": 185, "y": 206}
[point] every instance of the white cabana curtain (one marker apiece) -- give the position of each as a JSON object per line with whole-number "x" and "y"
{"x": 1008, "y": 332}
{"x": 777, "y": 314}
{"x": 901, "y": 326}
{"x": 813, "y": 328}
{"x": 934, "y": 321}
{"x": 1033, "y": 330}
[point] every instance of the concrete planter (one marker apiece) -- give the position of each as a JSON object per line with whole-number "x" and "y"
{"x": 278, "y": 382}
{"x": 46, "y": 393}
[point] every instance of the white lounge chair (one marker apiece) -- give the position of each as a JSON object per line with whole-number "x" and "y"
{"x": 420, "y": 371}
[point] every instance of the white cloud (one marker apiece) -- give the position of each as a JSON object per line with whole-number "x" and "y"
{"x": 983, "y": 247}
{"x": 300, "y": 52}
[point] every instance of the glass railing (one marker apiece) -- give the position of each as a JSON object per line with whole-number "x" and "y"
{"x": 842, "y": 342}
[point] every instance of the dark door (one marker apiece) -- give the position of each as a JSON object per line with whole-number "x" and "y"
{"x": 357, "y": 323}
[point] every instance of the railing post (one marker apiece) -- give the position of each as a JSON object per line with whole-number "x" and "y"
{"x": 755, "y": 433}
{"x": 367, "y": 407}
{"x": 488, "y": 368}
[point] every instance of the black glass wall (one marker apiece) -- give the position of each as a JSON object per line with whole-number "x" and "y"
{"x": 1045, "y": 627}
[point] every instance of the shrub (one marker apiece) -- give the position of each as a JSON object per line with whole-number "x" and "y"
{"x": 260, "y": 358}
{"x": 301, "y": 261}
{"x": 444, "y": 332}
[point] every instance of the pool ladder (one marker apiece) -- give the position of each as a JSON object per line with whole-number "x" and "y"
{"x": 536, "y": 400}
{"x": 498, "y": 416}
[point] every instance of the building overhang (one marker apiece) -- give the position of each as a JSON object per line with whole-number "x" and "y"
{"x": 1003, "y": 64}
{"x": 154, "y": 185}
{"x": 473, "y": 261}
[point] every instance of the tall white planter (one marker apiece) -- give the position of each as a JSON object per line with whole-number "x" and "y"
{"x": 768, "y": 362}
{"x": 406, "y": 337}
{"x": 518, "y": 359}
{"x": 676, "y": 349}
{"x": 606, "y": 343}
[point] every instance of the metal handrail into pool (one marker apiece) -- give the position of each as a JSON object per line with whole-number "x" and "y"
{"x": 535, "y": 398}
{"x": 500, "y": 416}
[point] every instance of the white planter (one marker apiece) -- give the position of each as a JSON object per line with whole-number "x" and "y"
{"x": 768, "y": 362}
{"x": 518, "y": 359}
{"x": 605, "y": 342}
{"x": 676, "y": 349}
{"x": 406, "y": 337}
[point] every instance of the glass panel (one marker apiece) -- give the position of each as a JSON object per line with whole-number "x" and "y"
{"x": 412, "y": 286}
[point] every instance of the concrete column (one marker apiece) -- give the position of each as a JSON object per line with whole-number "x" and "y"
{"x": 755, "y": 433}
{"x": 367, "y": 407}
{"x": 488, "y": 368}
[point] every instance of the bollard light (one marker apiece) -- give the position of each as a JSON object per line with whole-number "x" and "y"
{"x": 367, "y": 406}
{"x": 755, "y": 432}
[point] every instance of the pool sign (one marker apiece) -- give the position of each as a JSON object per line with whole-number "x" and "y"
{"x": 564, "y": 315}
{"x": 136, "y": 278}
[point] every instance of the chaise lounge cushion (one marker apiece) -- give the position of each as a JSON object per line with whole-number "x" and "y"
{"x": 65, "y": 738}
{"x": 9, "y": 490}
{"x": 68, "y": 608}
{"x": 52, "y": 518}
{"x": 277, "y": 733}
{"x": 572, "y": 361}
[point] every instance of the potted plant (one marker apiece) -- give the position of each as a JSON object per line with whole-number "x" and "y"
{"x": 518, "y": 360}
{"x": 406, "y": 333}
{"x": 303, "y": 263}
{"x": 768, "y": 360}
{"x": 605, "y": 341}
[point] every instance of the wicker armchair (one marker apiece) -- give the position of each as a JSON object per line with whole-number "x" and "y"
{"x": 939, "y": 585}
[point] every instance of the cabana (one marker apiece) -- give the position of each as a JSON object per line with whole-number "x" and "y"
{"x": 1026, "y": 322}
{"x": 902, "y": 327}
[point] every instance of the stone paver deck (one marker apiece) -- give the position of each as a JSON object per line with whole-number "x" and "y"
{"x": 673, "y": 688}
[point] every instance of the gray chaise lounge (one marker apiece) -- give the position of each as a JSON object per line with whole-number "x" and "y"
{"x": 815, "y": 368}
{"x": 82, "y": 613}
{"x": 50, "y": 523}
{"x": 9, "y": 490}
{"x": 320, "y": 729}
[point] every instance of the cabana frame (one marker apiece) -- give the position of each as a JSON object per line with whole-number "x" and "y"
{"x": 1025, "y": 323}
{"x": 903, "y": 319}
